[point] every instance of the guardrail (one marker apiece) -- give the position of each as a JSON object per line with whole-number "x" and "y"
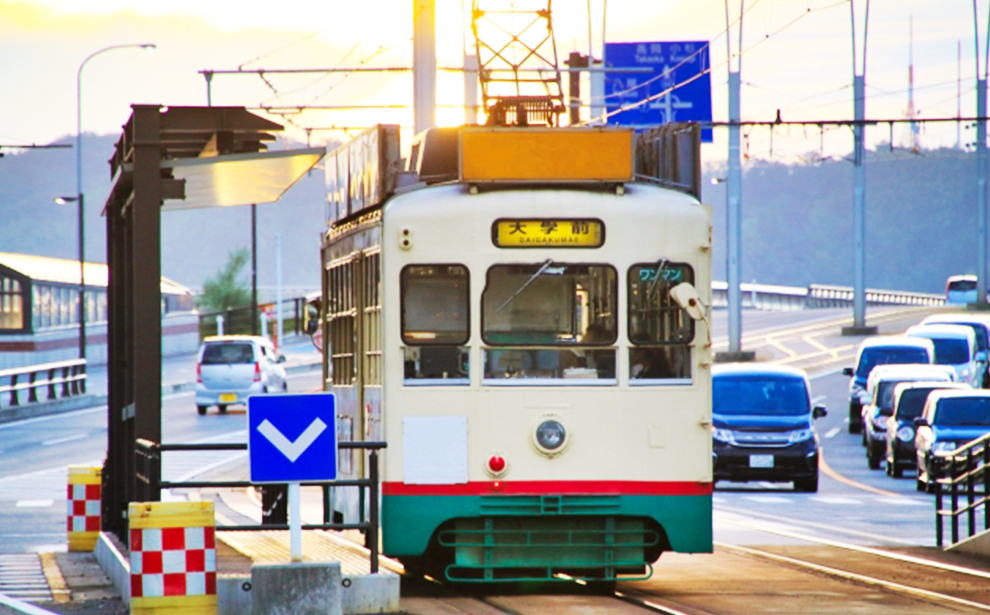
{"x": 148, "y": 471}
{"x": 963, "y": 473}
{"x": 772, "y": 297}
{"x": 67, "y": 376}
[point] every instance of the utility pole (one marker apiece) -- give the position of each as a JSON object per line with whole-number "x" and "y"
{"x": 859, "y": 326}
{"x": 575, "y": 61}
{"x": 734, "y": 200}
{"x": 424, "y": 64}
{"x": 981, "y": 168}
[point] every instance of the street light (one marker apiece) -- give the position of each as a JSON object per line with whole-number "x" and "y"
{"x": 80, "y": 197}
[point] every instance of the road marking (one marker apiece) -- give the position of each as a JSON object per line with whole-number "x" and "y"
{"x": 831, "y": 433}
{"x": 768, "y": 499}
{"x": 78, "y": 436}
{"x": 35, "y": 503}
{"x": 824, "y": 467}
{"x": 829, "y": 499}
{"x": 903, "y": 501}
{"x": 54, "y": 417}
{"x": 855, "y": 577}
{"x": 870, "y": 551}
{"x": 292, "y": 450}
{"x": 811, "y": 524}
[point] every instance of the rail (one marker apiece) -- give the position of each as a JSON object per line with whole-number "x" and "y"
{"x": 148, "y": 470}
{"x": 773, "y": 297}
{"x": 69, "y": 377}
{"x": 963, "y": 473}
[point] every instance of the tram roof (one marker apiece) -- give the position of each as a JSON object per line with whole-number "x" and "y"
{"x": 66, "y": 271}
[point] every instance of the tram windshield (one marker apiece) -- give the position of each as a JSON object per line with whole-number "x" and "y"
{"x": 550, "y": 305}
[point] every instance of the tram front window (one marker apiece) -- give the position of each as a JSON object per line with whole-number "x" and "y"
{"x": 435, "y": 323}
{"x": 550, "y": 322}
{"x": 659, "y": 329}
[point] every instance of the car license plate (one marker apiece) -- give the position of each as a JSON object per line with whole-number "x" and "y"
{"x": 761, "y": 461}
{"x": 228, "y": 397}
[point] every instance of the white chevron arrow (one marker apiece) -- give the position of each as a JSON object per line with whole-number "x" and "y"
{"x": 292, "y": 450}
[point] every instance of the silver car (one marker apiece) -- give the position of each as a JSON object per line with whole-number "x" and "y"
{"x": 230, "y": 368}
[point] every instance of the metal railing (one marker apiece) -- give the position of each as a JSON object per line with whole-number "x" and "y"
{"x": 61, "y": 378}
{"x": 148, "y": 470}
{"x": 772, "y": 297}
{"x": 962, "y": 474}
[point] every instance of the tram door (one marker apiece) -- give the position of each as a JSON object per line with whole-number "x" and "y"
{"x": 353, "y": 320}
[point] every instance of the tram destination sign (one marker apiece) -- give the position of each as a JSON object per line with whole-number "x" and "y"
{"x": 548, "y": 233}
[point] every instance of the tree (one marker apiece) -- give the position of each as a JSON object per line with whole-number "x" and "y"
{"x": 224, "y": 291}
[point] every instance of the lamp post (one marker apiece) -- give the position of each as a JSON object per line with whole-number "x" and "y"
{"x": 80, "y": 197}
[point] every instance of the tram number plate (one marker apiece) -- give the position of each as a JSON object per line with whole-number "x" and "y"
{"x": 761, "y": 461}
{"x": 228, "y": 397}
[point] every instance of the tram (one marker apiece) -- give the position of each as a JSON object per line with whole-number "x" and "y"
{"x": 521, "y": 313}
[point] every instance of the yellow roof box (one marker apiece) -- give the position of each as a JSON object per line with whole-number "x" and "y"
{"x": 546, "y": 155}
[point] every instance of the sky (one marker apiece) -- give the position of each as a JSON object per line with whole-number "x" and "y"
{"x": 796, "y": 58}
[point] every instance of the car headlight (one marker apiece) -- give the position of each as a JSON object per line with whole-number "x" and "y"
{"x": 905, "y": 434}
{"x": 943, "y": 447}
{"x": 799, "y": 435}
{"x": 880, "y": 423}
{"x": 550, "y": 435}
{"x": 723, "y": 435}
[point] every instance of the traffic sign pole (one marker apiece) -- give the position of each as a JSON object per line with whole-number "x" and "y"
{"x": 295, "y": 524}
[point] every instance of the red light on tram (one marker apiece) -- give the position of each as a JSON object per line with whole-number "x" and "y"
{"x": 496, "y": 464}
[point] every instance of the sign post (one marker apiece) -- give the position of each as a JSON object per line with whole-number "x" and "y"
{"x": 680, "y": 67}
{"x": 292, "y": 439}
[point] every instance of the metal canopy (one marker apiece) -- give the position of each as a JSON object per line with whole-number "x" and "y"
{"x": 238, "y": 179}
{"x": 181, "y": 157}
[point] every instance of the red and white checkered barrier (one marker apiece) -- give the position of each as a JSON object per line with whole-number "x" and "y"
{"x": 83, "y": 507}
{"x": 173, "y": 557}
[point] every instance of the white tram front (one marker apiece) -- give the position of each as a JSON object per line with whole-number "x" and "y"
{"x": 507, "y": 325}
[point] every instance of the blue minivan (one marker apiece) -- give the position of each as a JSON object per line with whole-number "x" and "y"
{"x": 763, "y": 425}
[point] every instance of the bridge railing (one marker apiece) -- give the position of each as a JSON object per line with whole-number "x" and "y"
{"x": 963, "y": 477}
{"x": 53, "y": 380}
{"x": 782, "y": 298}
{"x": 148, "y": 472}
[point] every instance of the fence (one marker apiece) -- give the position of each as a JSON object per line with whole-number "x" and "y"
{"x": 238, "y": 321}
{"x": 148, "y": 470}
{"x": 771, "y": 297}
{"x": 67, "y": 377}
{"x": 962, "y": 474}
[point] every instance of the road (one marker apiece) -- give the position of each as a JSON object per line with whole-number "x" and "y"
{"x": 854, "y": 505}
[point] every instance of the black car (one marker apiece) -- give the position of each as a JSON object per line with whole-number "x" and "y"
{"x": 909, "y": 401}
{"x": 762, "y": 425}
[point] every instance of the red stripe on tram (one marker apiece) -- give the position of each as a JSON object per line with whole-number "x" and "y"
{"x": 594, "y": 487}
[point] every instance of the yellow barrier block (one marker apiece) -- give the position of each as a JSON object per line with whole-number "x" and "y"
{"x": 83, "y": 508}
{"x": 173, "y": 558}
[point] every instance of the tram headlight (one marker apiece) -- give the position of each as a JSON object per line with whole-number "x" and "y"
{"x": 550, "y": 435}
{"x": 905, "y": 434}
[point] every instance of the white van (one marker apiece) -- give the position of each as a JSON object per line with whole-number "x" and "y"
{"x": 955, "y": 345}
{"x": 960, "y": 289}
{"x": 980, "y": 324}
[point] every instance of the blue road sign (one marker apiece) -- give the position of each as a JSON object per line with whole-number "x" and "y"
{"x": 673, "y": 64}
{"x": 292, "y": 438}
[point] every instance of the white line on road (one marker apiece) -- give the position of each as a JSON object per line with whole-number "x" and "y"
{"x": 53, "y": 417}
{"x": 828, "y": 499}
{"x": 831, "y": 433}
{"x": 78, "y": 436}
{"x": 35, "y": 503}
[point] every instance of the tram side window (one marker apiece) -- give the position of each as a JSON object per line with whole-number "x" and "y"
{"x": 435, "y": 323}
{"x": 550, "y": 323}
{"x": 660, "y": 331}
